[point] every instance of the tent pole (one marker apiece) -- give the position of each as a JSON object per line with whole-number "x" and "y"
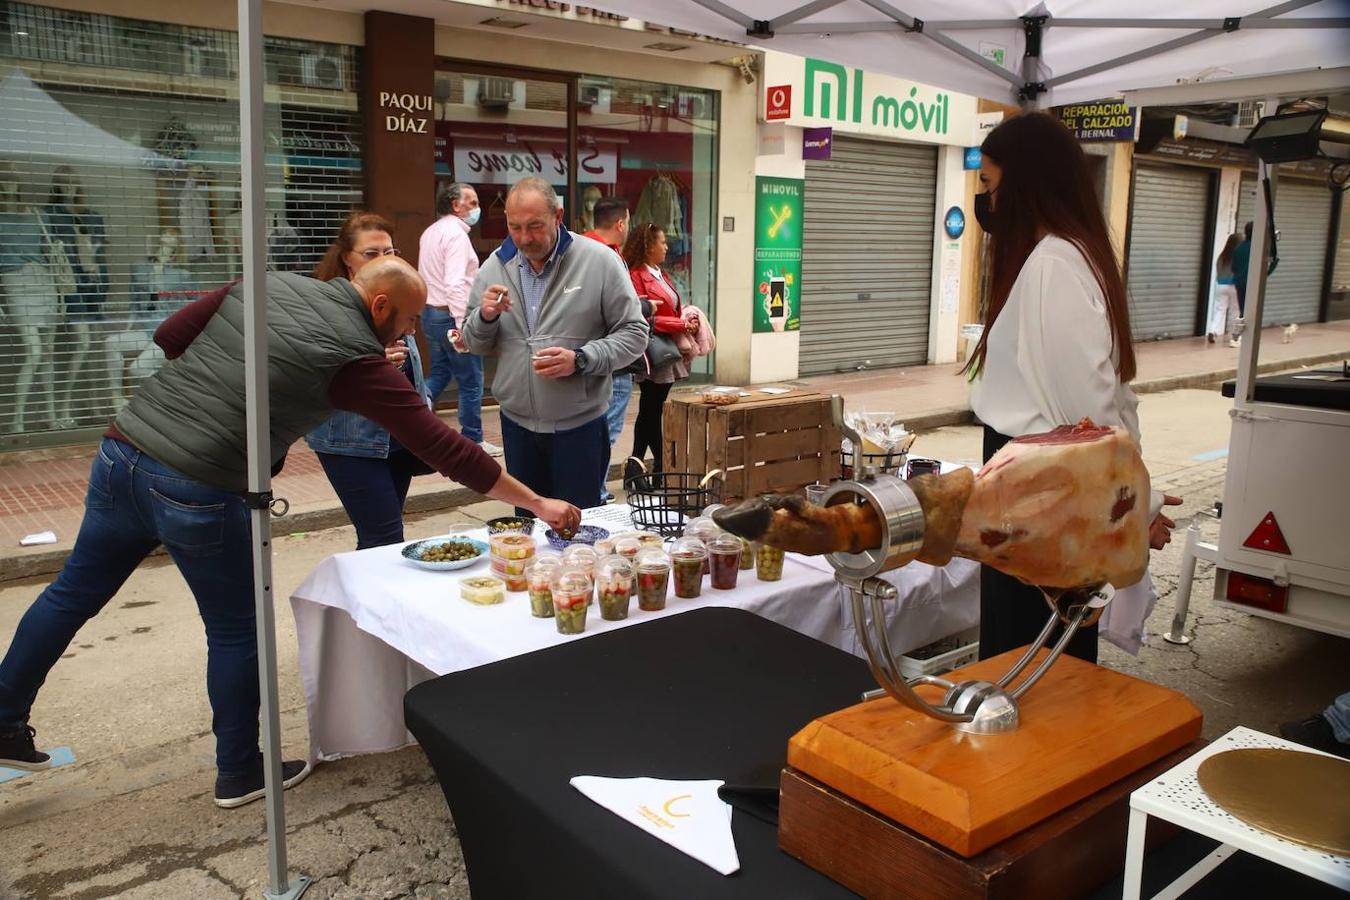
{"x": 253, "y": 179}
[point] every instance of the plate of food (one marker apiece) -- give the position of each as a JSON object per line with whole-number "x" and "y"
{"x": 518, "y": 524}
{"x": 586, "y": 534}
{"x": 444, "y": 554}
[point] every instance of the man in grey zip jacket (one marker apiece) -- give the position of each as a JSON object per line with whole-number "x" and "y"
{"x": 560, "y": 315}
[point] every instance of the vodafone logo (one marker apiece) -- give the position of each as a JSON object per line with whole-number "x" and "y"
{"x": 778, "y": 102}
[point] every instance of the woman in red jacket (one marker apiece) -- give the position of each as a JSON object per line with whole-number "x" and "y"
{"x": 644, "y": 252}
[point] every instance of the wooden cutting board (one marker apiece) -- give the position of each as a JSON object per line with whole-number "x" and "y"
{"x": 1082, "y": 728}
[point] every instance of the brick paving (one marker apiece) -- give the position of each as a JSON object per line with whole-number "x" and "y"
{"x": 48, "y": 494}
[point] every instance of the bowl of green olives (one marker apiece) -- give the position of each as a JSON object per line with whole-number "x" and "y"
{"x": 445, "y": 554}
{"x": 517, "y": 524}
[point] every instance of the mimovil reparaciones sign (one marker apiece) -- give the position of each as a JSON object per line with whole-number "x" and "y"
{"x": 812, "y": 92}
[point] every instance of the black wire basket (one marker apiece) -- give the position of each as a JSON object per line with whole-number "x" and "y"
{"x": 883, "y": 463}
{"x": 664, "y": 501}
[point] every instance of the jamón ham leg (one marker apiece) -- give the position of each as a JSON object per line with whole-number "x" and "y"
{"x": 1063, "y": 509}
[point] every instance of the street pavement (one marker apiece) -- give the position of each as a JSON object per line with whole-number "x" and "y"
{"x": 132, "y": 817}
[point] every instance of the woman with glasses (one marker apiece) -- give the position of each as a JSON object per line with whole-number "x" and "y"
{"x": 368, "y": 469}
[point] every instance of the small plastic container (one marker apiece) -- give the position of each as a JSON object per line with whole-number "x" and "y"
{"x": 747, "y": 555}
{"x": 768, "y": 562}
{"x": 571, "y": 596}
{"x": 604, "y": 547}
{"x": 650, "y": 539}
{"x": 653, "y": 578}
{"x": 581, "y": 556}
{"x": 706, "y": 530}
{"x": 687, "y": 560}
{"x": 725, "y": 559}
{"x": 614, "y": 584}
{"x": 539, "y": 579}
{"x": 511, "y": 545}
{"x": 483, "y": 590}
{"x": 721, "y": 396}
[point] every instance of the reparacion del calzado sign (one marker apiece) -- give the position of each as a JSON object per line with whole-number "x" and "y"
{"x": 1100, "y": 120}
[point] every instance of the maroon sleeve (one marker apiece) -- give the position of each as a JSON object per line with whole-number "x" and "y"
{"x": 371, "y": 387}
{"x": 179, "y": 330}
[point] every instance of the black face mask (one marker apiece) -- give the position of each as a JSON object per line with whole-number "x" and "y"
{"x": 984, "y": 211}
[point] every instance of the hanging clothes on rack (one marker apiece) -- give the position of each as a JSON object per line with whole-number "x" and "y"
{"x": 659, "y": 203}
{"x": 194, "y": 218}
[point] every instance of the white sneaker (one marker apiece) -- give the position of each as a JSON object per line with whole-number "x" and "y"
{"x": 490, "y": 448}
{"x": 1235, "y": 342}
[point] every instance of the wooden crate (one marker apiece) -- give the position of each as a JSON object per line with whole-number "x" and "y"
{"x": 763, "y": 444}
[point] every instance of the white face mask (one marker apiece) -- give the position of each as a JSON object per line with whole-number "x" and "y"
{"x": 473, "y": 216}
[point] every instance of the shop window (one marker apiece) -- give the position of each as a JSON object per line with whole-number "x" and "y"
{"x": 120, "y": 195}
{"x": 655, "y": 145}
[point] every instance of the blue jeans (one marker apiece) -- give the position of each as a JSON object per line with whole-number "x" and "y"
{"x": 1338, "y": 714}
{"x": 372, "y": 491}
{"x": 134, "y": 503}
{"x": 618, "y": 406}
{"x": 569, "y": 465}
{"x": 447, "y": 365}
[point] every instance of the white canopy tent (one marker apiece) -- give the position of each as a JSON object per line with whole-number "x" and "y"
{"x": 52, "y": 132}
{"x": 1053, "y": 53}
{"x": 1058, "y": 53}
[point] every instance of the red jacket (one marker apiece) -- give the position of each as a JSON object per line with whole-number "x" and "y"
{"x": 666, "y": 318}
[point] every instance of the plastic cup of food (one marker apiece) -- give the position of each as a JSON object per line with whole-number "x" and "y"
{"x": 581, "y": 556}
{"x": 706, "y": 530}
{"x": 653, "y": 578}
{"x": 539, "y": 580}
{"x": 747, "y": 555}
{"x": 571, "y": 595}
{"x": 604, "y": 547}
{"x": 511, "y": 545}
{"x": 815, "y": 493}
{"x": 687, "y": 559}
{"x": 725, "y": 559}
{"x": 768, "y": 563}
{"x": 483, "y": 590}
{"x": 614, "y": 584}
{"x": 650, "y": 539}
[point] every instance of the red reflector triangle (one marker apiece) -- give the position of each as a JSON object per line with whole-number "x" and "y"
{"x": 1267, "y": 536}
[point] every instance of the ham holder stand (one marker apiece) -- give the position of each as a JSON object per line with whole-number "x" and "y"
{"x": 991, "y": 790}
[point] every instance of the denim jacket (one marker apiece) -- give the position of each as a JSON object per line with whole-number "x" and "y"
{"x": 348, "y": 434}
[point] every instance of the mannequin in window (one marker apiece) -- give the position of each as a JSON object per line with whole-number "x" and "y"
{"x": 83, "y": 236}
{"x": 159, "y": 286}
{"x": 31, "y": 303}
{"x": 589, "y": 197}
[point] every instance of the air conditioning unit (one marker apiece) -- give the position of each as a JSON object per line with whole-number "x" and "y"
{"x": 322, "y": 69}
{"x": 1250, "y": 112}
{"x": 496, "y": 93}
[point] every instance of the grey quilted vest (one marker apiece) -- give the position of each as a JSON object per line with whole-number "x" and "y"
{"x": 190, "y": 415}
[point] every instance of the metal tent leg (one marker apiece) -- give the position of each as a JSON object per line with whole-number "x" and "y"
{"x": 1187, "y": 575}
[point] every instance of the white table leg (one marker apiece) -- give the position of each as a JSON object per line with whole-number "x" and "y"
{"x": 1134, "y": 855}
{"x": 1176, "y": 889}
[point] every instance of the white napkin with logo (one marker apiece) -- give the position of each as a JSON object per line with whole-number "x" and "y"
{"x": 688, "y": 815}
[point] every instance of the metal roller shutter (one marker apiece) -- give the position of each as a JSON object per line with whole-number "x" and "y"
{"x": 1303, "y": 217}
{"x": 131, "y": 117}
{"x": 867, "y": 256}
{"x": 1167, "y": 250}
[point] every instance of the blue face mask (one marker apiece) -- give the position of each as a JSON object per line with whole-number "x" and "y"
{"x": 472, "y": 217}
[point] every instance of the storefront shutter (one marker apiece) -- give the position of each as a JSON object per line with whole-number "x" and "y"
{"x": 867, "y": 256}
{"x": 135, "y": 113}
{"x": 1303, "y": 218}
{"x": 1167, "y": 258}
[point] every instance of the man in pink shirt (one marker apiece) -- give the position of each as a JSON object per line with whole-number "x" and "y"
{"x": 447, "y": 263}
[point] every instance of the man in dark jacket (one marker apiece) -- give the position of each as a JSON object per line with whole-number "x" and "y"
{"x": 173, "y": 466}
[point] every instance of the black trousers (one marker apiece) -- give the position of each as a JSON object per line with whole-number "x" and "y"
{"x": 647, "y": 433}
{"x": 1013, "y": 613}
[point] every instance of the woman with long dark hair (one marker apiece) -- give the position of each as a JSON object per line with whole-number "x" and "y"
{"x": 1056, "y": 342}
{"x": 369, "y": 470}
{"x": 1224, "y": 319}
{"x": 644, "y": 251}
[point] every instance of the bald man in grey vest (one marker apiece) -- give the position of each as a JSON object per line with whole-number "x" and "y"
{"x": 172, "y": 470}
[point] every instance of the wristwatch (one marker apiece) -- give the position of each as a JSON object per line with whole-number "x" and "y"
{"x": 580, "y": 360}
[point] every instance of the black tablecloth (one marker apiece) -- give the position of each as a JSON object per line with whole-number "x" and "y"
{"x": 1297, "y": 391}
{"x": 712, "y": 693}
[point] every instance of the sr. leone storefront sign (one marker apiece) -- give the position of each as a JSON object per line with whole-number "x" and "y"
{"x": 811, "y": 92}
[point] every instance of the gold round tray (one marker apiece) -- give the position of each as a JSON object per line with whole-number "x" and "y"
{"x": 1301, "y": 797}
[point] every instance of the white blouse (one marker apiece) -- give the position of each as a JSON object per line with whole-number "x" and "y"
{"x": 1049, "y": 359}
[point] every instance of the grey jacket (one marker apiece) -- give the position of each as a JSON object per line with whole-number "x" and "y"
{"x": 589, "y": 304}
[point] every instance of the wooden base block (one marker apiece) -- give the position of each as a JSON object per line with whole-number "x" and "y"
{"x": 1082, "y": 729}
{"x": 1067, "y": 855}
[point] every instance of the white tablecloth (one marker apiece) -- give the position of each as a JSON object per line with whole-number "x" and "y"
{"x": 371, "y": 625}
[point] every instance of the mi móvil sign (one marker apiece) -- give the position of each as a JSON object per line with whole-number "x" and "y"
{"x": 854, "y": 101}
